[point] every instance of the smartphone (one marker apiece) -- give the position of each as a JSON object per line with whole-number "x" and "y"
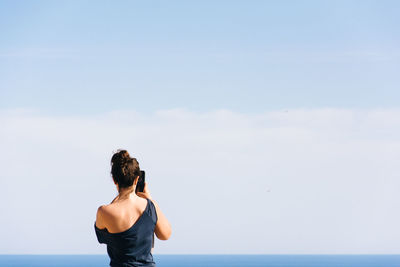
{"x": 140, "y": 184}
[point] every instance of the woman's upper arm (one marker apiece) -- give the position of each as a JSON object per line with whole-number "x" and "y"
{"x": 163, "y": 228}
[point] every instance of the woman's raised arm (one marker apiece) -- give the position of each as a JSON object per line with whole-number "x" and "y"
{"x": 163, "y": 228}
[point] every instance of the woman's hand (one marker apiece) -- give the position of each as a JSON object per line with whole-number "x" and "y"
{"x": 145, "y": 193}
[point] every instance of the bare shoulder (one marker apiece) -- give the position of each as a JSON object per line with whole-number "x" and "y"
{"x": 141, "y": 204}
{"x": 104, "y": 213}
{"x": 100, "y": 223}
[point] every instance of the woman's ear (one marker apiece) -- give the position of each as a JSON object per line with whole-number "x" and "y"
{"x": 136, "y": 180}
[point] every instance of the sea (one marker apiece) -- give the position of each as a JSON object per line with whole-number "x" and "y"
{"x": 209, "y": 260}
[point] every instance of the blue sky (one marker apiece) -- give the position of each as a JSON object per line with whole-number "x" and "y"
{"x": 250, "y": 56}
{"x": 277, "y": 122}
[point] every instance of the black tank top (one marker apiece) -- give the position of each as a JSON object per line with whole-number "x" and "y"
{"x": 131, "y": 247}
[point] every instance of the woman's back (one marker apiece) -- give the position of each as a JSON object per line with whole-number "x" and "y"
{"x": 121, "y": 214}
{"x": 128, "y": 234}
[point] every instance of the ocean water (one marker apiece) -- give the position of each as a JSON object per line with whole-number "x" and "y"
{"x": 209, "y": 260}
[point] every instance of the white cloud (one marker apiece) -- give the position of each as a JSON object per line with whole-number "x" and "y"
{"x": 295, "y": 181}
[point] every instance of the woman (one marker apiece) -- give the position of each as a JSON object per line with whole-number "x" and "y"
{"x": 127, "y": 225}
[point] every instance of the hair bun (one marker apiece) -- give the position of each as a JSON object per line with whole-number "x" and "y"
{"x": 121, "y": 157}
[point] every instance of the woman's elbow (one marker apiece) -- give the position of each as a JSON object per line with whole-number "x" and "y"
{"x": 164, "y": 235}
{"x": 168, "y": 235}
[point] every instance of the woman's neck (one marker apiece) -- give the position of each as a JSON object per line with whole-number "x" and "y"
{"x": 126, "y": 192}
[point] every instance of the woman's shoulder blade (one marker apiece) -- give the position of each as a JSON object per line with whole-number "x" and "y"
{"x": 129, "y": 212}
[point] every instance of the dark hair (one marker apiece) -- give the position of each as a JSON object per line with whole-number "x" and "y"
{"x": 124, "y": 169}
